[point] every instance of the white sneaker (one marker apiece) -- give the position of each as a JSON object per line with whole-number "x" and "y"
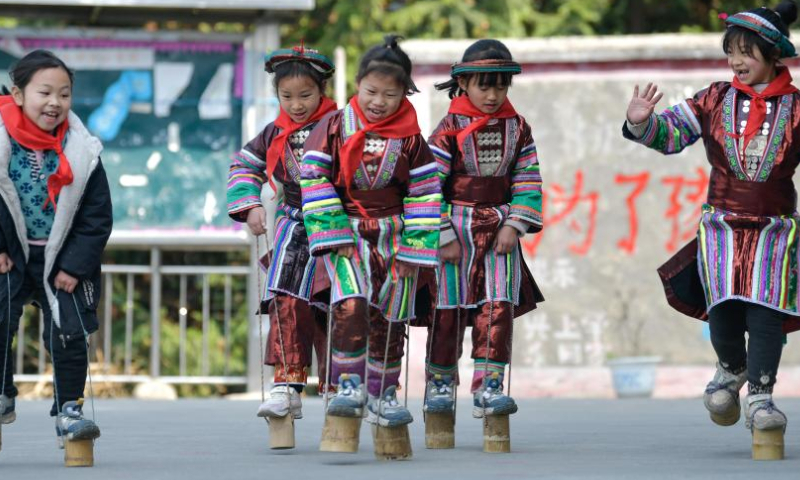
{"x": 762, "y": 414}
{"x": 721, "y": 397}
{"x": 282, "y": 401}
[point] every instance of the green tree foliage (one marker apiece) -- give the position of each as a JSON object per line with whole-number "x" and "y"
{"x": 358, "y": 24}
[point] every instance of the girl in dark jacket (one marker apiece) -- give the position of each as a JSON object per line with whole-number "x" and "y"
{"x": 55, "y": 220}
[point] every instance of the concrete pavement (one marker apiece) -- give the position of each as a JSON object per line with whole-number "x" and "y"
{"x": 551, "y": 438}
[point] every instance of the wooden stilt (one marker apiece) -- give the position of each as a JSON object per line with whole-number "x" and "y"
{"x": 439, "y": 430}
{"x": 79, "y": 453}
{"x": 1, "y": 438}
{"x": 340, "y": 434}
{"x": 768, "y": 444}
{"x": 496, "y": 434}
{"x": 392, "y": 443}
{"x": 281, "y": 432}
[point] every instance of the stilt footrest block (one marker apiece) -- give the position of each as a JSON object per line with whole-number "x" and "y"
{"x": 496, "y": 434}
{"x": 440, "y": 430}
{"x": 281, "y": 432}
{"x": 79, "y": 453}
{"x": 392, "y": 443}
{"x": 767, "y": 444}
{"x": 340, "y": 434}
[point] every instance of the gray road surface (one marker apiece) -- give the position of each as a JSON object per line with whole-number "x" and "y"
{"x": 562, "y": 439}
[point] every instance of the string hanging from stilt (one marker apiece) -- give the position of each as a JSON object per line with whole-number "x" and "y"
{"x": 383, "y": 370}
{"x": 510, "y": 349}
{"x": 261, "y": 344}
{"x": 8, "y": 333}
{"x": 271, "y": 254}
{"x": 86, "y": 340}
{"x": 488, "y": 347}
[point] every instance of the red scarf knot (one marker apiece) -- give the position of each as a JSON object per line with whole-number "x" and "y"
{"x": 462, "y": 105}
{"x": 400, "y": 124}
{"x": 781, "y": 85}
{"x": 275, "y": 152}
{"x": 29, "y": 135}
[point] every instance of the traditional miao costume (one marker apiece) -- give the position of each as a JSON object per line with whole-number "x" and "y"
{"x": 741, "y": 270}
{"x": 490, "y": 171}
{"x": 275, "y": 155}
{"x": 374, "y": 187}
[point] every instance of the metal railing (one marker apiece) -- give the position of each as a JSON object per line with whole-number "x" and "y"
{"x": 235, "y": 281}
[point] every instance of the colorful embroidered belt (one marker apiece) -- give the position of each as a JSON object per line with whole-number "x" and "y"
{"x": 383, "y": 202}
{"x": 472, "y": 191}
{"x": 771, "y": 198}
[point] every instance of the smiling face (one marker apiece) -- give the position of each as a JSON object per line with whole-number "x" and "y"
{"x": 486, "y": 98}
{"x": 750, "y": 67}
{"x": 299, "y": 97}
{"x": 46, "y": 99}
{"x": 379, "y": 96}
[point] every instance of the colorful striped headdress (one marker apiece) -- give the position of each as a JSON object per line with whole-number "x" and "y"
{"x": 485, "y": 66}
{"x": 765, "y": 29}
{"x": 316, "y": 60}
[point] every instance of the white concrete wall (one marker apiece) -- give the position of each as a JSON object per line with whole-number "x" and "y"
{"x": 604, "y": 298}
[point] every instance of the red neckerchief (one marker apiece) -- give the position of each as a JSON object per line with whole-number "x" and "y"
{"x": 401, "y": 124}
{"x": 275, "y": 152}
{"x": 29, "y": 135}
{"x": 462, "y": 105}
{"x": 781, "y": 85}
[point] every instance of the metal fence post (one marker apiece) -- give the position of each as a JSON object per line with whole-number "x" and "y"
{"x": 155, "y": 312}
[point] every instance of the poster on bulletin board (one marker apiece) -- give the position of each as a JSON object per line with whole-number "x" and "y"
{"x": 169, "y": 114}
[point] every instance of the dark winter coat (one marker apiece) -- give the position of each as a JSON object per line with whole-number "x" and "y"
{"x": 81, "y": 228}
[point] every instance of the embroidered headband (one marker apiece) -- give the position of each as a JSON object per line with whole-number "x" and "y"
{"x": 485, "y": 66}
{"x": 765, "y": 29}
{"x": 316, "y": 60}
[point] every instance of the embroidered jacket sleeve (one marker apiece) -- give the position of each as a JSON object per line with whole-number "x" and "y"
{"x": 422, "y": 207}
{"x": 678, "y": 126}
{"x": 326, "y": 221}
{"x": 442, "y": 147}
{"x": 247, "y": 174}
{"x": 526, "y": 186}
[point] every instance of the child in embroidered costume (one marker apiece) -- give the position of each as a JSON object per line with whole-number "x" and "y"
{"x": 492, "y": 196}
{"x": 55, "y": 219}
{"x": 746, "y": 245}
{"x": 371, "y": 201}
{"x": 274, "y": 157}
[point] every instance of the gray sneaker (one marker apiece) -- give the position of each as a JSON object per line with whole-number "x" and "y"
{"x": 721, "y": 397}
{"x": 439, "y": 396}
{"x": 7, "y": 413}
{"x": 389, "y": 412}
{"x": 349, "y": 399}
{"x": 490, "y": 399}
{"x": 70, "y": 424}
{"x": 760, "y": 413}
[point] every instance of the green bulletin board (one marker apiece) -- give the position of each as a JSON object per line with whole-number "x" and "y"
{"x": 169, "y": 114}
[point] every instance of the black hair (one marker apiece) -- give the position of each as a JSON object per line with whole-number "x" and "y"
{"x": 298, "y": 68}
{"x": 784, "y": 15}
{"x": 486, "y": 49}
{"x": 388, "y": 59}
{"x": 23, "y": 71}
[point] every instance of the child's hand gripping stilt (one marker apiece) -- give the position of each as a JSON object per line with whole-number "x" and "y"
{"x": 257, "y": 221}
{"x": 5, "y": 263}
